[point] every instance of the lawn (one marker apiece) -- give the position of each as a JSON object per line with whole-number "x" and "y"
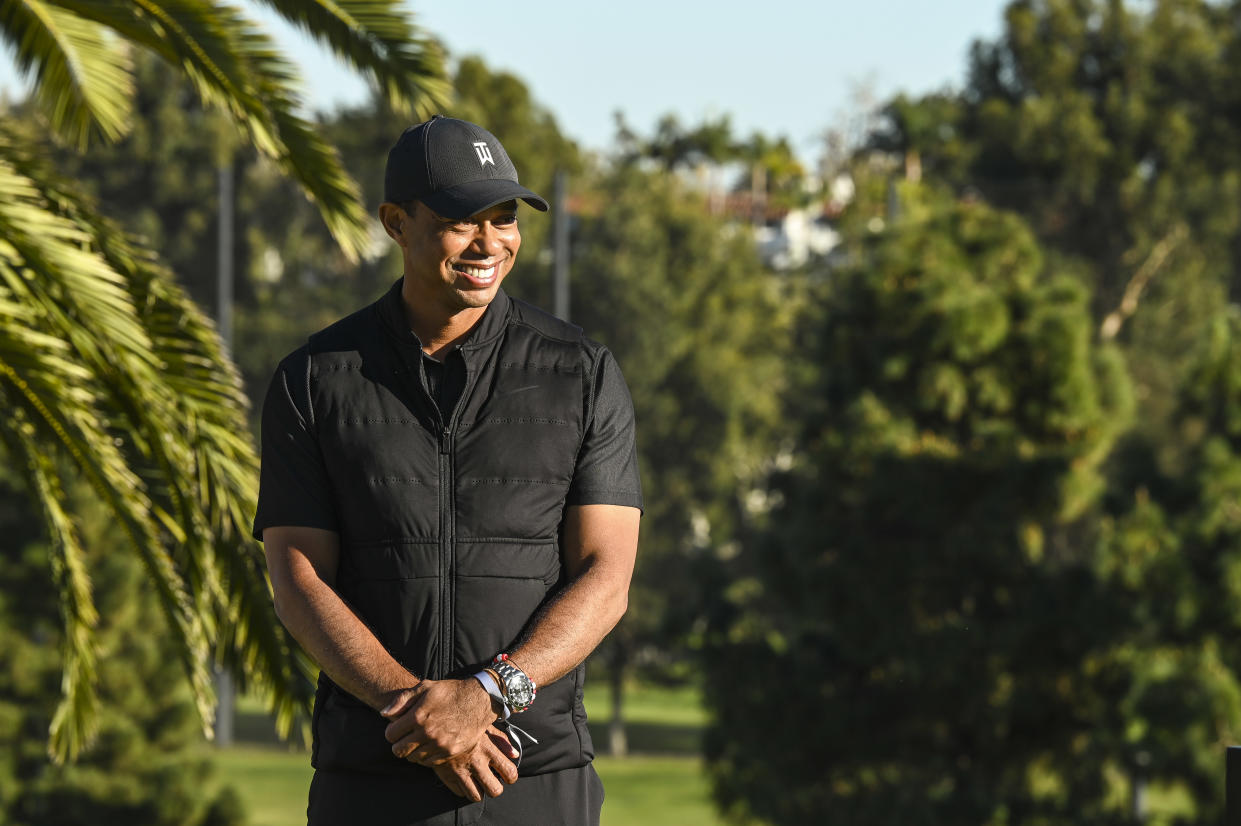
{"x": 272, "y": 782}
{"x": 655, "y": 791}
{"x": 660, "y": 784}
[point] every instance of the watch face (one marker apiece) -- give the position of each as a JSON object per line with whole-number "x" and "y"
{"x": 519, "y": 693}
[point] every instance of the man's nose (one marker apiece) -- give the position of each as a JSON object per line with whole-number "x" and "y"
{"x": 487, "y": 239}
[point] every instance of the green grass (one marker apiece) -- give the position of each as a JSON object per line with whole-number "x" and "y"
{"x": 660, "y": 784}
{"x": 658, "y": 720}
{"x": 641, "y": 791}
{"x": 676, "y": 706}
{"x": 655, "y": 791}
{"x": 272, "y": 782}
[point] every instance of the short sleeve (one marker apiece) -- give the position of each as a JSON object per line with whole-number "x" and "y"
{"x": 607, "y": 465}
{"x": 294, "y": 489}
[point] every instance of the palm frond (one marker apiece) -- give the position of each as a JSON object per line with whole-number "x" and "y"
{"x": 64, "y": 396}
{"x": 379, "y": 38}
{"x": 220, "y": 476}
{"x": 202, "y": 471}
{"x": 76, "y": 718}
{"x": 235, "y": 66}
{"x": 82, "y": 73}
{"x": 38, "y": 238}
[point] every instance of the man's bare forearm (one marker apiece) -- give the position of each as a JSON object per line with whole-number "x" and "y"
{"x": 572, "y": 626}
{"x": 339, "y": 641}
{"x": 601, "y": 543}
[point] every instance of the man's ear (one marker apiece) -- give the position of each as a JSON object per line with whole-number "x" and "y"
{"x": 393, "y": 219}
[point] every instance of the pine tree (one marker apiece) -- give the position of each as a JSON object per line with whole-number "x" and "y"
{"x": 907, "y": 642}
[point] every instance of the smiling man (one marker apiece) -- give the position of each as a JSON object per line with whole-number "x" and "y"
{"x": 449, "y": 504}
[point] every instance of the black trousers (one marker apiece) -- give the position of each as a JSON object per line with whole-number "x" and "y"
{"x": 572, "y": 797}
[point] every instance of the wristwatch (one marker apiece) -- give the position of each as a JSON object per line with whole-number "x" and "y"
{"x": 519, "y": 690}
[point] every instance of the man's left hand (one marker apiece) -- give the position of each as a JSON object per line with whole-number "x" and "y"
{"x": 483, "y": 771}
{"x": 438, "y": 719}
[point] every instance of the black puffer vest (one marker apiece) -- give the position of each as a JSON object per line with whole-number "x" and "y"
{"x": 449, "y": 529}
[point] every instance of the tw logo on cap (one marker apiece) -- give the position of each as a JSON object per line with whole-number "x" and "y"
{"x": 484, "y": 154}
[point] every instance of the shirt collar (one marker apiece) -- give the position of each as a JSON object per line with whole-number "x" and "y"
{"x": 392, "y": 316}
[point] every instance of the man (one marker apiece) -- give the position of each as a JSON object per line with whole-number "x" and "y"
{"x": 449, "y": 504}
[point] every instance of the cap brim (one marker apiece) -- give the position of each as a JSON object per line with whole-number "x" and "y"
{"x": 473, "y": 197}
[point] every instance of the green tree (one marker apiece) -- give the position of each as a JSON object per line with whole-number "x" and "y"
{"x": 929, "y": 129}
{"x": 674, "y": 146}
{"x": 699, "y": 328}
{"x": 773, "y": 176}
{"x": 108, "y": 369}
{"x": 147, "y": 764}
{"x": 908, "y": 641}
{"x": 1171, "y": 555}
{"x": 1111, "y": 127}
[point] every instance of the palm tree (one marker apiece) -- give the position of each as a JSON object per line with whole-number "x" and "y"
{"x": 108, "y": 372}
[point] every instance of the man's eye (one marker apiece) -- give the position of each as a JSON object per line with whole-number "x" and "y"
{"x": 505, "y": 220}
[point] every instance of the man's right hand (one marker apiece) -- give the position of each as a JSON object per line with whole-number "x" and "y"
{"x": 484, "y": 770}
{"x": 438, "y": 719}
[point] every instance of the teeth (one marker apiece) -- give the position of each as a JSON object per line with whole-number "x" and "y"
{"x": 479, "y": 273}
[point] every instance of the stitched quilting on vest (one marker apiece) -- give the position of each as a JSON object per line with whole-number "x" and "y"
{"x": 449, "y": 531}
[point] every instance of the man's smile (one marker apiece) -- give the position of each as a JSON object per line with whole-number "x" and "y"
{"x": 481, "y": 275}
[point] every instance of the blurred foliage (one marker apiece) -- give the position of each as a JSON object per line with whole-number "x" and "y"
{"x": 673, "y": 146}
{"x": 699, "y": 330}
{"x": 1112, "y": 128}
{"x": 149, "y": 734}
{"x": 923, "y": 597}
{"x": 1173, "y": 548}
{"x": 1000, "y": 582}
{"x": 773, "y": 176}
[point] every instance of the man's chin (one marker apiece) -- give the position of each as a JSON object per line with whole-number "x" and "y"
{"x": 477, "y": 297}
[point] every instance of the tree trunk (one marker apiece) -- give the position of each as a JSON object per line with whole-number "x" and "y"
{"x": 758, "y": 194}
{"x": 1133, "y": 290}
{"x": 618, "y": 743}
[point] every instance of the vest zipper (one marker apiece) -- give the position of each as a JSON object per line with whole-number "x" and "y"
{"x": 447, "y": 551}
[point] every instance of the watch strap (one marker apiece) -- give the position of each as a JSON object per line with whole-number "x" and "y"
{"x": 491, "y": 684}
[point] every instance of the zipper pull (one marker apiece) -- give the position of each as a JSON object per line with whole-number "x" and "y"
{"x": 446, "y": 441}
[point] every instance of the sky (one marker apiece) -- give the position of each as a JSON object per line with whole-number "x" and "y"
{"x": 784, "y": 67}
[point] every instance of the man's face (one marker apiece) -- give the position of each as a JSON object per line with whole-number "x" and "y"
{"x": 458, "y": 264}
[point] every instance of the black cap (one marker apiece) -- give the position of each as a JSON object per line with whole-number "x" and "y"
{"x": 453, "y": 166}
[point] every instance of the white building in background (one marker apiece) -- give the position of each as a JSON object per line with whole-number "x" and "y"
{"x": 794, "y": 239}
{"x": 789, "y": 239}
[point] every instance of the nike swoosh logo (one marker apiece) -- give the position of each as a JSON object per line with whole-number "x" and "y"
{"x": 519, "y": 390}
